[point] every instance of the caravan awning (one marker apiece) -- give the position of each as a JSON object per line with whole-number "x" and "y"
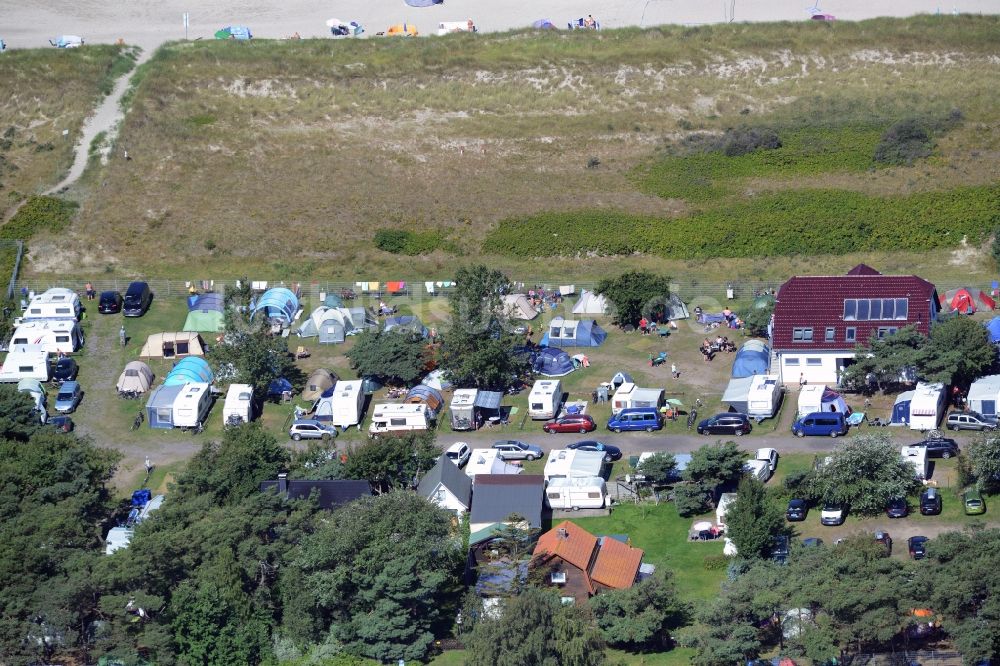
{"x": 488, "y": 400}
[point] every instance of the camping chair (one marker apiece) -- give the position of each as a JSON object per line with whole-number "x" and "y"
{"x": 663, "y": 331}
{"x": 302, "y": 352}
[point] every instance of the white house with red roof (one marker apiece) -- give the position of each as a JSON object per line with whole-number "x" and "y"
{"x": 819, "y": 320}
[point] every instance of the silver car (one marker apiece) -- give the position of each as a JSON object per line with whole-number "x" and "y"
{"x": 512, "y": 449}
{"x": 311, "y": 429}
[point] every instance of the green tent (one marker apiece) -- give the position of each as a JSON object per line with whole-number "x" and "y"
{"x": 209, "y": 321}
{"x": 223, "y": 34}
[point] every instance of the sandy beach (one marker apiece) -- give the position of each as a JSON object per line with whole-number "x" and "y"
{"x": 149, "y": 23}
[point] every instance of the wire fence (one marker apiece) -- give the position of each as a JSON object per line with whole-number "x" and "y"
{"x": 17, "y": 247}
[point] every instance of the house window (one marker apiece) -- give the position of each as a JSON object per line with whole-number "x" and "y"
{"x": 558, "y": 577}
{"x": 814, "y": 362}
{"x": 850, "y": 309}
{"x": 885, "y": 331}
{"x": 831, "y": 333}
{"x": 851, "y": 334}
{"x": 875, "y": 308}
{"x": 792, "y": 361}
{"x": 863, "y": 309}
{"x": 888, "y": 308}
{"x": 439, "y": 495}
{"x": 902, "y": 308}
{"x": 802, "y": 335}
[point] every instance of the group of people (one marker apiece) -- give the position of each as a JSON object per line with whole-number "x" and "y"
{"x": 538, "y": 296}
{"x": 721, "y": 343}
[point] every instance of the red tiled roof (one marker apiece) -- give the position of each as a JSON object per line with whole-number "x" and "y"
{"x": 818, "y": 302}
{"x": 576, "y": 547}
{"x": 617, "y": 564}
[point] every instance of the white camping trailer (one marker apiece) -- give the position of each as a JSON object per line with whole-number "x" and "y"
{"x": 463, "y": 409}
{"x": 54, "y": 335}
{"x": 581, "y": 492}
{"x": 927, "y": 406}
{"x": 984, "y": 395}
{"x": 56, "y": 303}
{"x": 566, "y": 463}
{"x": 545, "y": 399}
{"x": 916, "y": 456}
{"x": 238, "y": 405}
{"x": 763, "y": 396}
{"x": 629, "y": 395}
{"x": 192, "y": 405}
{"x": 388, "y": 419}
{"x": 25, "y": 362}
{"x": 341, "y": 405}
{"x": 725, "y": 501}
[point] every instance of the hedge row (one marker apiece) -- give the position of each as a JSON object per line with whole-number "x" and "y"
{"x": 804, "y": 222}
{"x": 37, "y": 214}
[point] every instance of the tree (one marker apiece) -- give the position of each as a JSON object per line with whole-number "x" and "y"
{"x": 392, "y": 462}
{"x": 250, "y": 354}
{"x": 757, "y": 319}
{"x": 658, "y": 469}
{"x": 753, "y": 520}
{"x": 865, "y": 473}
{"x": 642, "y": 616}
{"x": 984, "y": 458}
{"x": 958, "y": 352}
{"x": 477, "y": 350}
{"x": 885, "y": 361}
{"x": 714, "y": 465}
{"x": 392, "y": 357}
{"x": 18, "y": 419}
{"x": 535, "y": 629}
{"x": 634, "y": 295}
{"x": 233, "y": 469}
{"x": 391, "y": 610}
{"x": 691, "y": 499}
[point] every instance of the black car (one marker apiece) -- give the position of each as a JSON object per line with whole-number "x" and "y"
{"x": 930, "y": 502}
{"x": 942, "y": 447}
{"x": 898, "y": 508}
{"x": 917, "y": 546}
{"x": 779, "y": 551}
{"x": 60, "y": 423}
{"x": 64, "y": 370}
{"x": 137, "y": 299}
{"x": 797, "y": 510}
{"x": 110, "y": 302}
{"x": 611, "y": 453}
{"x": 725, "y": 424}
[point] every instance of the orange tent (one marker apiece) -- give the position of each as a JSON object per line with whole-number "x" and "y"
{"x": 402, "y": 29}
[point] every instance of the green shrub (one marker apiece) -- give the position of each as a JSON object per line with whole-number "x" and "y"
{"x": 39, "y": 213}
{"x": 410, "y": 243}
{"x": 745, "y": 140}
{"x": 715, "y": 562}
{"x": 904, "y": 143}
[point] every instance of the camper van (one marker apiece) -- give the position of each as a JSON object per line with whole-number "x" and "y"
{"x": 343, "y": 405}
{"x": 192, "y": 405}
{"x": 637, "y": 418}
{"x": 829, "y": 424}
{"x": 916, "y": 456}
{"x": 53, "y": 335}
{"x": 630, "y": 396}
{"x": 927, "y": 406}
{"x": 238, "y": 407}
{"x": 580, "y": 492}
{"x": 395, "y": 418}
{"x": 56, "y": 303}
{"x": 25, "y": 362}
{"x": 545, "y": 399}
{"x": 463, "y": 409}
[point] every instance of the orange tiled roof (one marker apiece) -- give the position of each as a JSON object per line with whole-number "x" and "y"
{"x": 577, "y": 547}
{"x": 617, "y": 564}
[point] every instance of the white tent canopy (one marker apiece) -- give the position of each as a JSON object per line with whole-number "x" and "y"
{"x": 519, "y": 307}
{"x": 590, "y": 303}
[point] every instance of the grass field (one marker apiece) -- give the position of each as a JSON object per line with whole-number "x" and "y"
{"x": 285, "y": 158}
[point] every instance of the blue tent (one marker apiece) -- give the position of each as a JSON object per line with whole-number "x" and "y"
{"x": 901, "y": 409}
{"x": 189, "y": 370}
{"x": 544, "y": 24}
{"x": 573, "y": 333}
{"x": 993, "y": 326}
{"x": 405, "y": 323}
{"x": 278, "y": 387}
{"x": 211, "y": 301}
{"x": 552, "y": 362}
{"x": 277, "y": 303}
{"x": 753, "y": 358}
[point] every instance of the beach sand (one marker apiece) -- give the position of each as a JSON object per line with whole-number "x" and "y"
{"x": 148, "y": 23}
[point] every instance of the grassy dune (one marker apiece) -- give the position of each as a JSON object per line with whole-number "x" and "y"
{"x": 285, "y": 158}
{"x": 47, "y": 91}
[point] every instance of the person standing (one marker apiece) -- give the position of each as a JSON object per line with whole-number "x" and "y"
{"x": 674, "y": 372}
{"x": 802, "y": 379}
{"x": 121, "y": 335}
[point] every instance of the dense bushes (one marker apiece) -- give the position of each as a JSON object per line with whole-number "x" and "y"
{"x": 795, "y": 222}
{"x": 745, "y": 140}
{"x": 904, "y": 143}
{"x": 39, "y": 213}
{"x": 411, "y": 243}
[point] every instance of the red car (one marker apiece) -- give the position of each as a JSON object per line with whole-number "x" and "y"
{"x": 576, "y": 423}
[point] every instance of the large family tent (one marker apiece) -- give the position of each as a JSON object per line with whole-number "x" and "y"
{"x": 819, "y": 398}
{"x": 405, "y": 324}
{"x": 966, "y": 301}
{"x": 423, "y": 394}
{"x": 173, "y": 345}
{"x": 276, "y": 303}
{"x": 753, "y": 358}
{"x": 993, "y": 327}
{"x": 591, "y": 303}
{"x": 901, "y": 409}
{"x": 208, "y": 321}
{"x": 319, "y": 381}
{"x": 573, "y": 333}
{"x": 331, "y": 325}
{"x": 135, "y": 378}
{"x": 552, "y": 362}
{"x": 518, "y": 306}
{"x": 189, "y": 370}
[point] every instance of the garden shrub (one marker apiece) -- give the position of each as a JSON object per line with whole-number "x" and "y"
{"x": 745, "y": 140}
{"x": 410, "y": 243}
{"x": 39, "y": 213}
{"x": 715, "y": 562}
{"x": 904, "y": 143}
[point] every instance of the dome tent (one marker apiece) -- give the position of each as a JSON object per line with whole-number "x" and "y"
{"x": 277, "y": 303}
{"x": 552, "y": 362}
{"x": 753, "y": 358}
{"x": 135, "y": 378}
{"x": 190, "y": 370}
{"x": 319, "y": 381}
{"x": 966, "y": 301}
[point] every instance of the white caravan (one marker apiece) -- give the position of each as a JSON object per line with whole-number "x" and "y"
{"x": 238, "y": 405}
{"x": 56, "y": 303}
{"x": 927, "y": 406}
{"x": 343, "y": 405}
{"x": 192, "y": 405}
{"x": 25, "y": 362}
{"x": 489, "y": 461}
{"x": 545, "y": 399}
{"x": 916, "y": 456}
{"x": 580, "y": 492}
{"x": 54, "y": 336}
{"x": 629, "y": 395}
{"x": 463, "y": 409}
{"x": 395, "y": 418}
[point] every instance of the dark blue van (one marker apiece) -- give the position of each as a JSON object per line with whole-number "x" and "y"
{"x": 636, "y": 418}
{"x": 828, "y": 424}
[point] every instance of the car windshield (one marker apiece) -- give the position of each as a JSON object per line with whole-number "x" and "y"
{"x": 831, "y": 506}
{"x": 65, "y": 395}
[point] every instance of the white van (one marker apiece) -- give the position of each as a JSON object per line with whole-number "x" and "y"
{"x": 56, "y": 303}
{"x": 394, "y": 418}
{"x": 343, "y": 406}
{"x": 192, "y": 405}
{"x": 580, "y": 492}
{"x": 545, "y": 399}
{"x": 25, "y": 362}
{"x": 239, "y": 404}
{"x": 54, "y": 336}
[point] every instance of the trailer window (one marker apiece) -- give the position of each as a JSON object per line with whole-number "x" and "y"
{"x": 536, "y": 405}
{"x": 182, "y": 347}
{"x": 62, "y": 338}
{"x": 594, "y": 495}
{"x": 553, "y": 495}
{"x": 25, "y": 368}
{"x": 397, "y": 422}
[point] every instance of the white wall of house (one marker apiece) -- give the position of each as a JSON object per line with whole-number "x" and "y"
{"x": 817, "y": 367}
{"x": 446, "y": 500}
